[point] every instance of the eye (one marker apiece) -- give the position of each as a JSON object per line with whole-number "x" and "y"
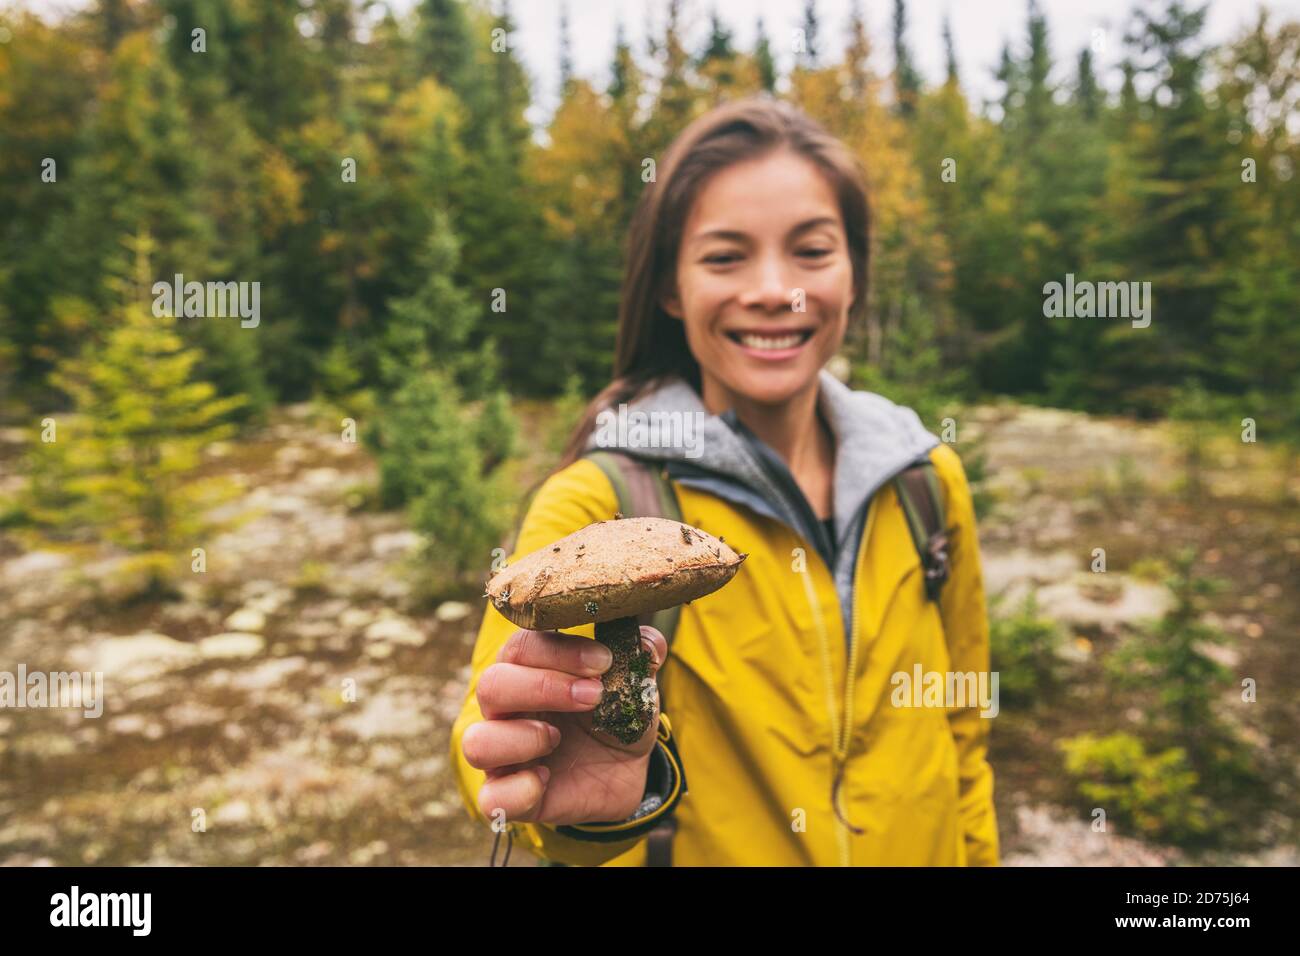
{"x": 815, "y": 253}
{"x": 721, "y": 258}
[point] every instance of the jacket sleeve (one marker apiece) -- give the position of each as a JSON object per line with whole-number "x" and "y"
{"x": 966, "y": 627}
{"x": 567, "y": 501}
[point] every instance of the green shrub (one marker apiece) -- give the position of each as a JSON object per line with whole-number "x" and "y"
{"x": 1168, "y": 657}
{"x": 433, "y": 460}
{"x": 125, "y": 466}
{"x": 340, "y": 390}
{"x": 1025, "y": 650}
{"x": 1196, "y": 415}
{"x": 1152, "y": 793}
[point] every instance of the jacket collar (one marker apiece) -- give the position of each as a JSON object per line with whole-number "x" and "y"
{"x": 875, "y": 439}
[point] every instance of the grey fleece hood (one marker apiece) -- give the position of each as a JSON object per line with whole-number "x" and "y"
{"x": 874, "y": 440}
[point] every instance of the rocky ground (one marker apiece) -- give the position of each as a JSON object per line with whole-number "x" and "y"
{"x": 293, "y": 705}
{"x": 1062, "y": 485}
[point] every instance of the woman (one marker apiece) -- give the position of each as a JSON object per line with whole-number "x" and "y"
{"x": 747, "y": 259}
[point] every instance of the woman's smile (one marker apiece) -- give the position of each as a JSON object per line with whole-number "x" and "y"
{"x": 771, "y": 345}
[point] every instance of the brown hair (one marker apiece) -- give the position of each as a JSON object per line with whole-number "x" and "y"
{"x": 651, "y": 345}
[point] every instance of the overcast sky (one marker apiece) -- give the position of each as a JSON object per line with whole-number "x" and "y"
{"x": 979, "y": 27}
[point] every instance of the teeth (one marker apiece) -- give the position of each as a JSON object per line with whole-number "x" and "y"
{"x": 771, "y": 343}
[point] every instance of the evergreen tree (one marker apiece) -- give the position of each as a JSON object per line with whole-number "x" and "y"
{"x": 1037, "y": 67}
{"x": 763, "y": 58}
{"x": 1086, "y": 92}
{"x": 624, "y": 79}
{"x": 857, "y": 53}
{"x": 1181, "y": 247}
{"x": 1008, "y": 74}
{"x": 949, "y": 53}
{"x": 907, "y": 81}
{"x": 566, "y": 54}
{"x": 48, "y": 78}
{"x": 718, "y": 46}
{"x": 433, "y": 460}
{"x": 1256, "y": 338}
{"x": 807, "y": 58}
{"x": 444, "y": 43}
{"x": 439, "y": 320}
{"x": 141, "y": 420}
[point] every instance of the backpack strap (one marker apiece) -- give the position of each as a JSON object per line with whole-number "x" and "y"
{"x": 643, "y": 491}
{"x": 922, "y": 501}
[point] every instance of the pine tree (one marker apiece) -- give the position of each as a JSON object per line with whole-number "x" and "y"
{"x": 718, "y": 45}
{"x": 436, "y": 460}
{"x": 907, "y": 81}
{"x": 438, "y": 321}
{"x": 1180, "y": 236}
{"x": 493, "y": 211}
{"x": 585, "y": 180}
{"x": 857, "y": 53}
{"x": 1037, "y": 67}
{"x": 444, "y": 43}
{"x": 566, "y": 54}
{"x": 140, "y": 423}
{"x": 1008, "y": 74}
{"x": 1086, "y": 92}
{"x": 624, "y": 74}
{"x": 678, "y": 97}
{"x": 763, "y": 58}
{"x": 950, "y": 53}
{"x": 807, "y": 58}
{"x": 718, "y": 60}
{"x": 444, "y": 426}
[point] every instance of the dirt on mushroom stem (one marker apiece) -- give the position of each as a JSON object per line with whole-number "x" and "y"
{"x": 627, "y": 705}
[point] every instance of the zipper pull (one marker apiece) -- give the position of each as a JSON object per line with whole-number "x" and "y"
{"x": 835, "y": 799}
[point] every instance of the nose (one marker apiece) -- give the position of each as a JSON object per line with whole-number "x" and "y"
{"x": 766, "y": 286}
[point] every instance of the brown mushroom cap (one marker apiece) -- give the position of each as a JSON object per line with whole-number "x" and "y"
{"x": 610, "y": 570}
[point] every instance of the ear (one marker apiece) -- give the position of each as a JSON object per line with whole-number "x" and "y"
{"x": 671, "y": 304}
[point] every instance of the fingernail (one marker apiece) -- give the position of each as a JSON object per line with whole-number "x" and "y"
{"x": 554, "y": 734}
{"x": 587, "y": 691}
{"x": 649, "y": 646}
{"x": 597, "y": 657}
{"x": 545, "y": 774}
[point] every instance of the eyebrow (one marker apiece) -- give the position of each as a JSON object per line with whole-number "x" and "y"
{"x": 740, "y": 236}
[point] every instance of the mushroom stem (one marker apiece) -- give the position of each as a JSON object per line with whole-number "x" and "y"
{"x": 628, "y": 703}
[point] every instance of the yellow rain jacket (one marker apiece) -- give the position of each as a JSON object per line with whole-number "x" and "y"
{"x": 789, "y": 675}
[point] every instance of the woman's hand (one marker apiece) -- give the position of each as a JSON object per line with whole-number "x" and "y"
{"x": 544, "y": 762}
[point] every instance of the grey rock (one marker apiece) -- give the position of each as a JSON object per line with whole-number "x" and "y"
{"x": 233, "y": 644}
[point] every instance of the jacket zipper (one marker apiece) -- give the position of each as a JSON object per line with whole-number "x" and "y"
{"x": 840, "y": 730}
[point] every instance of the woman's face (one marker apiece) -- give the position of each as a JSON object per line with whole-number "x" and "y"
{"x": 764, "y": 280}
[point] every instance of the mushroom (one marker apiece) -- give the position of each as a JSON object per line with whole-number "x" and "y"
{"x": 630, "y": 567}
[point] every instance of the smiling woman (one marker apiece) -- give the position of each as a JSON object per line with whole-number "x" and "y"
{"x": 764, "y": 289}
{"x": 796, "y": 755}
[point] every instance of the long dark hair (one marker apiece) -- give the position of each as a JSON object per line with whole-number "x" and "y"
{"x": 651, "y": 346}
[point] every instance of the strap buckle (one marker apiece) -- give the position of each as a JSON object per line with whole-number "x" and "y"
{"x": 936, "y": 564}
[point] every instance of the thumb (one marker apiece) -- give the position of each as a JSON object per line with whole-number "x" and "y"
{"x": 657, "y": 645}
